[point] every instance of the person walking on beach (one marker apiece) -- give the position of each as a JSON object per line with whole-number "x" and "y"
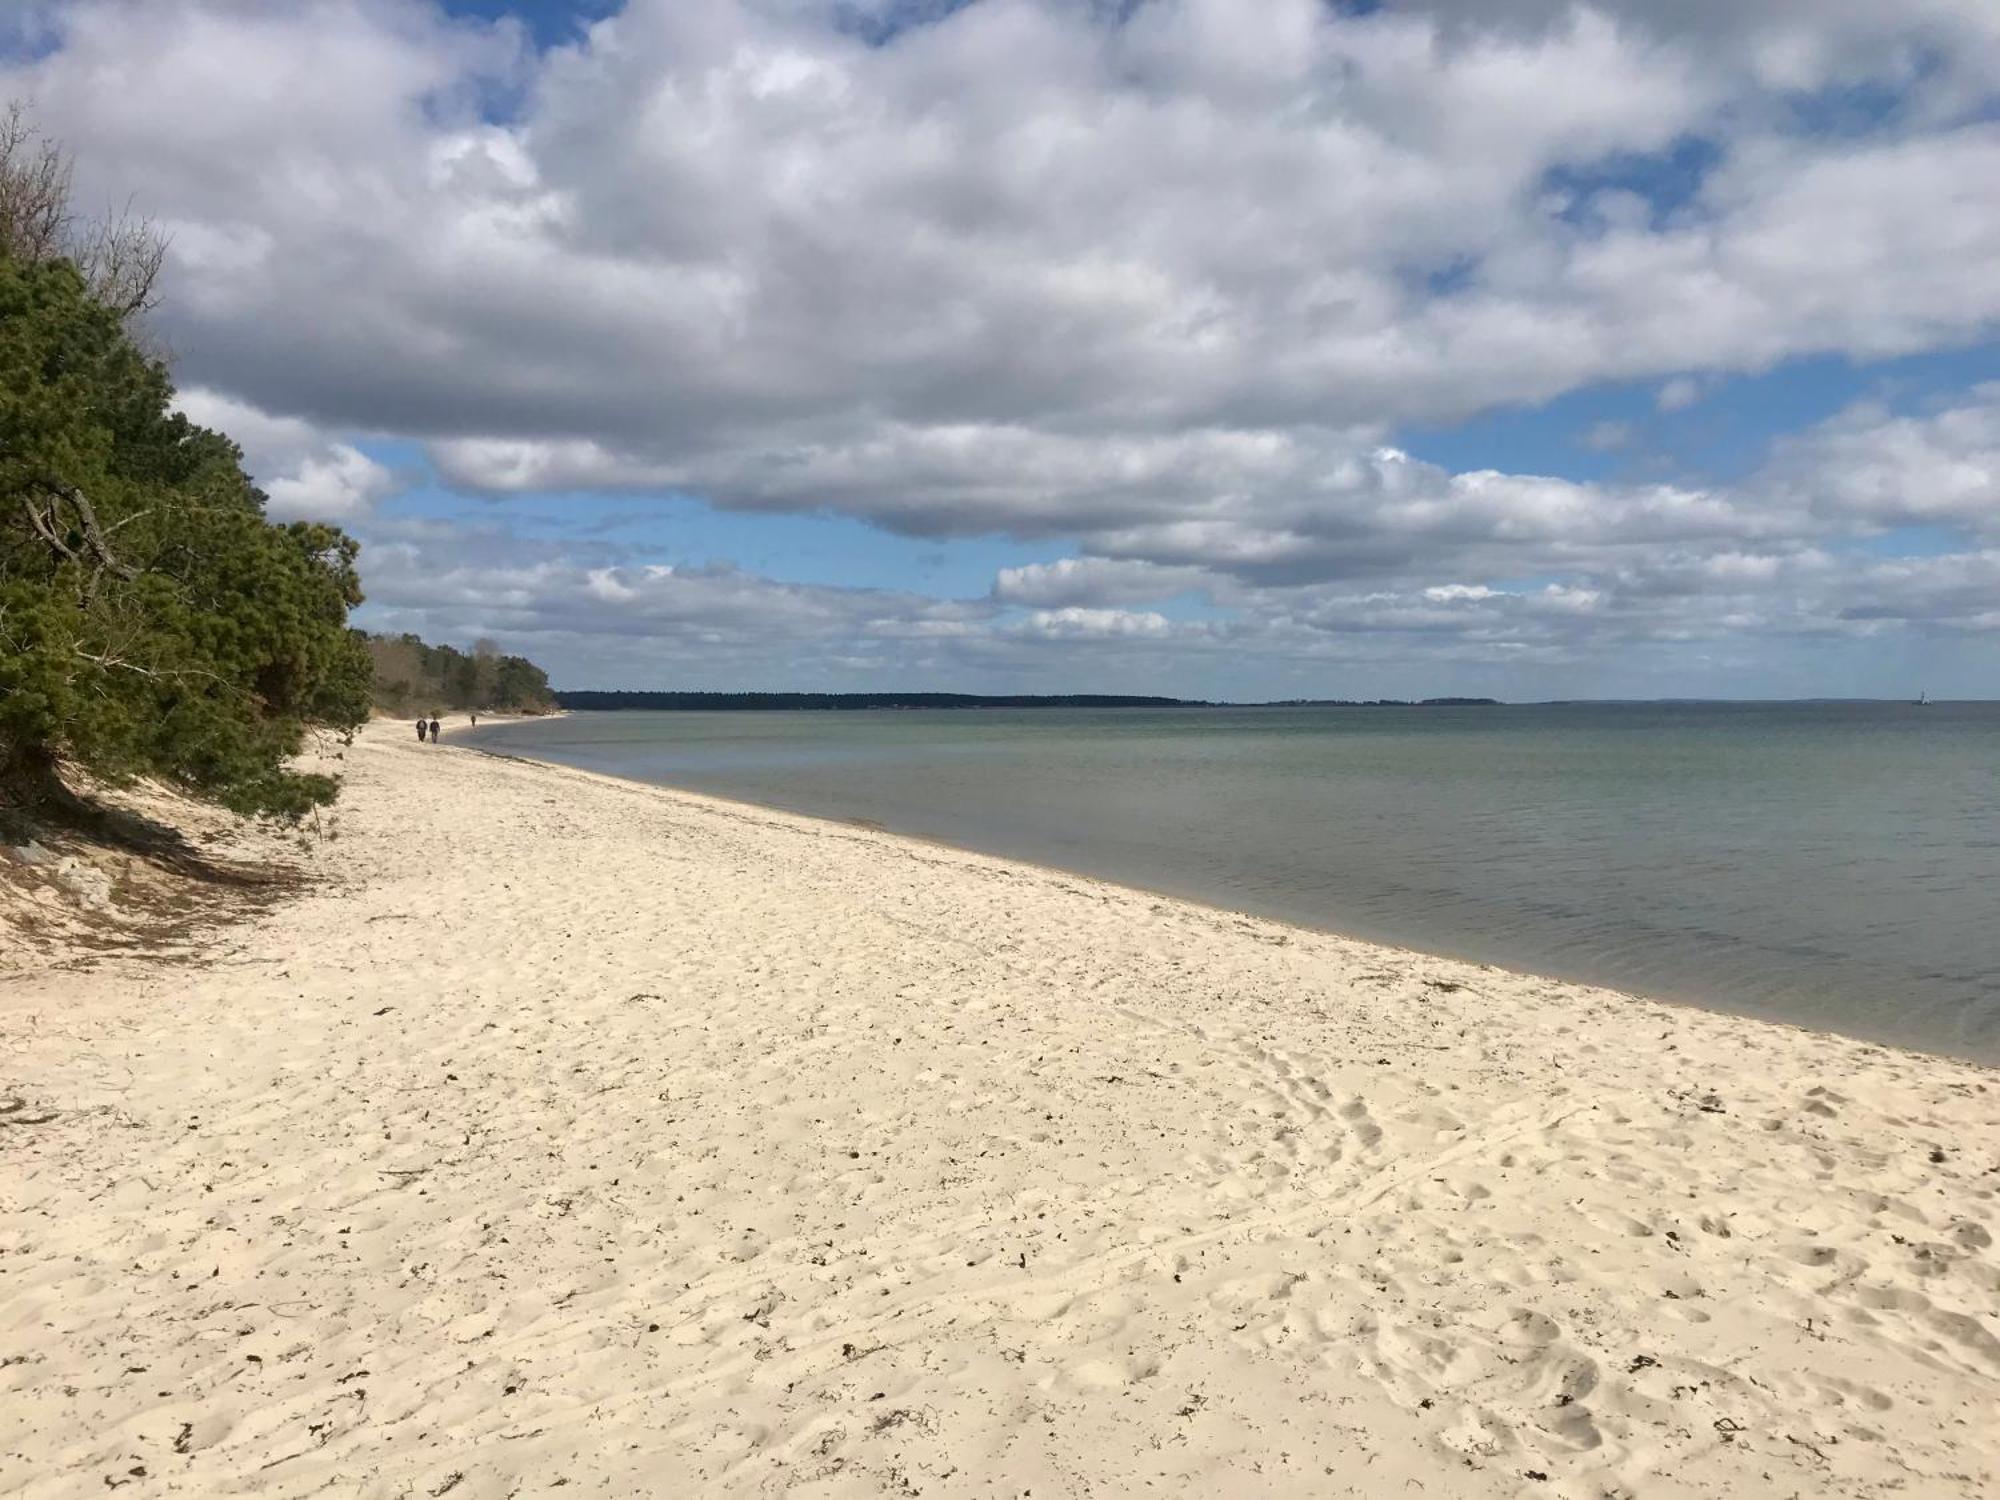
{"x": 420, "y": 729}
{"x": 434, "y": 729}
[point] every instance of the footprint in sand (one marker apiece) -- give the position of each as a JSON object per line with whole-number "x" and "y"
{"x": 1114, "y": 1374}
{"x": 1355, "y": 1113}
{"x": 1525, "y": 1326}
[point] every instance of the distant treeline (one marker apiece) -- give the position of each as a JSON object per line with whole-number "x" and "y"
{"x": 1380, "y": 703}
{"x": 412, "y": 676}
{"x": 725, "y": 702}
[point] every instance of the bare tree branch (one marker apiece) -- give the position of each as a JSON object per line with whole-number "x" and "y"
{"x": 35, "y": 174}
{"x": 43, "y": 522}
{"x": 76, "y": 538}
{"x": 93, "y": 534}
{"x": 121, "y": 260}
{"x": 120, "y": 257}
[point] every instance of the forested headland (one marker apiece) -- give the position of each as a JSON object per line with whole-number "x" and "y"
{"x": 411, "y": 676}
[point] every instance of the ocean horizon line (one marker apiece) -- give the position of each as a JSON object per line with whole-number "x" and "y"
{"x": 600, "y": 700}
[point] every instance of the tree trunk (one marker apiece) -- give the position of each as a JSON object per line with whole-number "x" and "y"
{"x": 32, "y": 793}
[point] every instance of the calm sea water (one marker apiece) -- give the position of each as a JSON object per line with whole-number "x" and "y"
{"x": 1835, "y": 865}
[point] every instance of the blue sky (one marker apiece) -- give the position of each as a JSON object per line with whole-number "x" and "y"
{"x": 1516, "y": 348}
{"x": 1720, "y": 437}
{"x": 552, "y": 22}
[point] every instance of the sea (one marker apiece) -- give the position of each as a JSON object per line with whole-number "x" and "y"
{"x": 1834, "y": 865}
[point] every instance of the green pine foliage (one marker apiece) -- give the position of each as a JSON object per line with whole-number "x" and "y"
{"x": 153, "y": 622}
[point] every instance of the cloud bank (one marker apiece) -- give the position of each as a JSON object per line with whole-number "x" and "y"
{"x": 1154, "y": 285}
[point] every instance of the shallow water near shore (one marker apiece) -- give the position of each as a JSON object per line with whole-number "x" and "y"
{"x": 1830, "y": 865}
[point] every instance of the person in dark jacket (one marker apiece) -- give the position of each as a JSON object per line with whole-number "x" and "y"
{"x": 421, "y": 726}
{"x": 434, "y": 729}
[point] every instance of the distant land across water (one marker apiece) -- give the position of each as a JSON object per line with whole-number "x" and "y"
{"x": 598, "y": 701}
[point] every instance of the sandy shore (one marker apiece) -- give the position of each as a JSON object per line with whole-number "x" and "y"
{"x": 574, "y": 1137}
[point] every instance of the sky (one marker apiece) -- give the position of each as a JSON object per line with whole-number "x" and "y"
{"x": 1515, "y": 348}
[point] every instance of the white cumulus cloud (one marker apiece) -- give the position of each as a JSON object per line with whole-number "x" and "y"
{"x": 305, "y": 475}
{"x": 1154, "y": 282}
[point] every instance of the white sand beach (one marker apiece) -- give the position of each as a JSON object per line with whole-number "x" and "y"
{"x": 570, "y": 1137}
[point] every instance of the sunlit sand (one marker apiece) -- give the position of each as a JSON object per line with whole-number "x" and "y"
{"x": 576, "y": 1137}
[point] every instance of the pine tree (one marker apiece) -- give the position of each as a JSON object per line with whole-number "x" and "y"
{"x": 152, "y": 621}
